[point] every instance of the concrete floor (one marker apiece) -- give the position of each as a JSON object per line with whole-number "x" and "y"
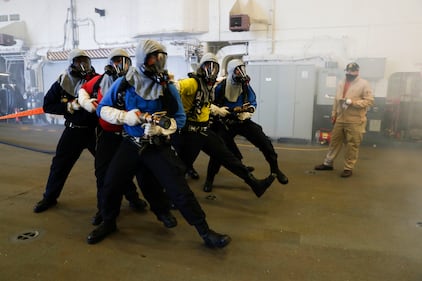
{"x": 318, "y": 227}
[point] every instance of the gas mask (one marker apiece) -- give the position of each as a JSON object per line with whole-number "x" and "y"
{"x": 153, "y": 67}
{"x": 120, "y": 65}
{"x": 240, "y": 76}
{"x": 209, "y": 71}
{"x": 81, "y": 66}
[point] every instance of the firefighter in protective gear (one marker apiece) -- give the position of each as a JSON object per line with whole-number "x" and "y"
{"x": 109, "y": 136}
{"x": 239, "y": 98}
{"x": 145, "y": 151}
{"x": 79, "y": 132}
{"x": 197, "y": 93}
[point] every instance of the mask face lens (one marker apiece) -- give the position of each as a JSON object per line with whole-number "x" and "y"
{"x": 240, "y": 70}
{"x": 210, "y": 69}
{"x": 239, "y": 75}
{"x": 121, "y": 64}
{"x": 82, "y": 64}
{"x": 154, "y": 58}
{"x": 155, "y": 62}
{"x": 161, "y": 57}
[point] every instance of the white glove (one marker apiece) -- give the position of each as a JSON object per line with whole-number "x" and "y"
{"x": 244, "y": 115}
{"x": 86, "y": 101}
{"x": 152, "y": 130}
{"x": 222, "y": 111}
{"x": 131, "y": 117}
{"x": 348, "y": 101}
{"x": 73, "y": 105}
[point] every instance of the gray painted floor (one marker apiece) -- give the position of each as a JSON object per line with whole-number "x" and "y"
{"x": 318, "y": 227}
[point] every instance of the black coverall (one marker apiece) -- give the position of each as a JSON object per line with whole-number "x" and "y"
{"x": 157, "y": 166}
{"x": 230, "y": 126}
{"x": 79, "y": 134}
{"x": 189, "y": 144}
{"x": 108, "y": 143}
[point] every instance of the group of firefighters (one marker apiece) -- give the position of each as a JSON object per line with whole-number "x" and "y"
{"x": 139, "y": 123}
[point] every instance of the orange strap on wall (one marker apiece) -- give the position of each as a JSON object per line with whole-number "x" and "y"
{"x": 29, "y": 112}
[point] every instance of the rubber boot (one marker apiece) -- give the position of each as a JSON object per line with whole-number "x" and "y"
{"x": 102, "y": 231}
{"x": 281, "y": 177}
{"x": 259, "y": 186}
{"x": 211, "y": 238}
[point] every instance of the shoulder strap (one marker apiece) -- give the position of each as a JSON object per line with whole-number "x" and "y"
{"x": 121, "y": 93}
{"x": 245, "y": 91}
{"x": 97, "y": 86}
{"x": 198, "y": 100}
{"x": 168, "y": 102}
{"x": 196, "y": 77}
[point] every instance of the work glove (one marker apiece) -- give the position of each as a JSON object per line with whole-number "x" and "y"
{"x": 152, "y": 129}
{"x": 244, "y": 115}
{"x": 222, "y": 111}
{"x": 73, "y": 105}
{"x": 86, "y": 102}
{"x": 131, "y": 117}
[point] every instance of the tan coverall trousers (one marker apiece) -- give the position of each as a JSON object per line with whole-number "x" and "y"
{"x": 349, "y": 134}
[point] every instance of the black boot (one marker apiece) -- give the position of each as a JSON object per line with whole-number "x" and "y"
{"x": 191, "y": 173}
{"x": 97, "y": 219}
{"x": 138, "y": 205}
{"x": 259, "y": 186}
{"x": 216, "y": 240}
{"x": 101, "y": 232}
{"x": 167, "y": 219}
{"x": 44, "y": 205}
{"x": 281, "y": 177}
{"x": 211, "y": 238}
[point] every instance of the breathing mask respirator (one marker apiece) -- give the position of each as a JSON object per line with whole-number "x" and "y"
{"x": 153, "y": 67}
{"x": 209, "y": 71}
{"x": 240, "y": 76}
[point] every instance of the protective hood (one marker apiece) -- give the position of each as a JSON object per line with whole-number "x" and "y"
{"x": 71, "y": 84}
{"x": 147, "y": 47}
{"x": 208, "y": 70}
{"x": 208, "y": 57}
{"x": 145, "y": 87}
{"x": 233, "y": 89}
{"x": 76, "y": 53}
{"x": 106, "y": 82}
{"x": 118, "y": 62}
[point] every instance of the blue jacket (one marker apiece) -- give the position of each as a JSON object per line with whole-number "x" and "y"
{"x": 133, "y": 101}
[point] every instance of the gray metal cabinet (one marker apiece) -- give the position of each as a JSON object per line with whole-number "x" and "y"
{"x": 285, "y": 96}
